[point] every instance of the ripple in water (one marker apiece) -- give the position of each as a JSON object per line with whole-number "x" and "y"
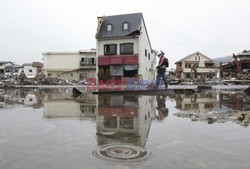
{"x": 122, "y": 153}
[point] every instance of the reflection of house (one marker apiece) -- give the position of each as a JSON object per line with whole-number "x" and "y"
{"x": 206, "y": 102}
{"x": 70, "y": 65}
{"x": 200, "y": 103}
{"x": 3, "y": 65}
{"x": 62, "y": 105}
{"x": 124, "y": 119}
{"x": 30, "y": 100}
{"x": 123, "y": 47}
{"x": 203, "y": 65}
{"x": 232, "y": 100}
{"x": 27, "y": 97}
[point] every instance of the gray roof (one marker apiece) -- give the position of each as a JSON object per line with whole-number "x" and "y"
{"x": 192, "y": 55}
{"x": 5, "y": 62}
{"x": 117, "y": 21}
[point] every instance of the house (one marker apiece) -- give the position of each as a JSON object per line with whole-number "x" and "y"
{"x": 32, "y": 69}
{"x": 12, "y": 70}
{"x": 123, "y": 48}
{"x": 70, "y": 65}
{"x": 3, "y": 65}
{"x": 200, "y": 63}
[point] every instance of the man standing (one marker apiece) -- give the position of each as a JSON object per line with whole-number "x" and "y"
{"x": 161, "y": 69}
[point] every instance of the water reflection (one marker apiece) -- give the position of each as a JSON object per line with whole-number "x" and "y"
{"x": 124, "y": 119}
{"x": 63, "y": 105}
{"x": 120, "y": 127}
{"x": 27, "y": 97}
{"x": 123, "y": 124}
{"x": 214, "y": 107}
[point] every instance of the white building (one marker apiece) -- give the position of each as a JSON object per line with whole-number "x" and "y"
{"x": 70, "y": 65}
{"x": 123, "y": 47}
{"x": 203, "y": 65}
{"x": 31, "y": 69}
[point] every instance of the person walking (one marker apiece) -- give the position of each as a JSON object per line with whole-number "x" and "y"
{"x": 161, "y": 69}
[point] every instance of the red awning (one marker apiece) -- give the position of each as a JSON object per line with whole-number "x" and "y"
{"x": 116, "y": 61}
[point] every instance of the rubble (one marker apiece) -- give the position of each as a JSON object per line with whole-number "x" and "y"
{"x": 39, "y": 80}
{"x": 241, "y": 118}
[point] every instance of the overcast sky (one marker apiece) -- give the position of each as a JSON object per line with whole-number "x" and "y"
{"x": 179, "y": 27}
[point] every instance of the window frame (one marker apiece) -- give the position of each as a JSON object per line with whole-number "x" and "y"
{"x": 109, "y": 53}
{"x": 123, "y": 26}
{"x": 109, "y": 27}
{"x": 127, "y": 52}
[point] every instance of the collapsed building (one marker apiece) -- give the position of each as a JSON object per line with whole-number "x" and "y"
{"x": 239, "y": 68}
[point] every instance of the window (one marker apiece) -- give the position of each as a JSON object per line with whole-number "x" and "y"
{"x": 30, "y": 70}
{"x": 110, "y": 49}
{"x": 83, "y": 60}
{"x": 126, "y": 48}
{"x": 146, "y": 52}
{"x": 195, "y": 58}
{"x": 109, "y": 27}
{"x": 125, "y": 26}
{"x": 188, "y": 65}
{"x": 148, "y": 56}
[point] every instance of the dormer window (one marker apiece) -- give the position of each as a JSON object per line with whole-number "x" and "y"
{"x": 109, "y": 27}
{"x": 125, "y": 26}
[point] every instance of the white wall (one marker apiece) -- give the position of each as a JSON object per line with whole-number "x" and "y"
{"x": 144, "y": 63}
{"x": 61, "y": 61}
{"x": 29, "y": 68}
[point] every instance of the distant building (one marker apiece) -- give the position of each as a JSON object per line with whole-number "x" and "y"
{"x": 204, "y": 65}
{"x": 123, "y": 47}
{"x": 240, "y": 64}
{"x": 70, "y": 65}
{"x": 32, "y": 69}
{"x": 3, "y": 65}
{"x": 12, "y": 70}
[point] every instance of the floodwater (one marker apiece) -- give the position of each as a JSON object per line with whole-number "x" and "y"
{"x": 48, "y": 128}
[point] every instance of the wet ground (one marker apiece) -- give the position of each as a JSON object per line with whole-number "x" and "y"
{"x": 48, "y": 128}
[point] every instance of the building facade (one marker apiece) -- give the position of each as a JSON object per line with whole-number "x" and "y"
{"x": 123, "y": 48}
{"x": 70, "y": 65}
{"x": 198, "y": 63}
{"x": 31, "y": 69}
{"x": 3, "y": 65}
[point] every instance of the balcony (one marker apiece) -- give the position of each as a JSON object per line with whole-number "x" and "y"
{"x": 87, "y": 63}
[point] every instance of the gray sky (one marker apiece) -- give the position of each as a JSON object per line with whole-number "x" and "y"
{"x": 179, "y": 27}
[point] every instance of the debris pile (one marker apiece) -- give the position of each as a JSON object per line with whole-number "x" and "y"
{"x": 241, "y": 118}
{"x": 39, "y": 80}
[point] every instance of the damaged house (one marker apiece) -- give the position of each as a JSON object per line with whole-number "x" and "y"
{"x": 238, "y": 68}
{"x": 70, "y": 65}
{"x": 123, "y": 48}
